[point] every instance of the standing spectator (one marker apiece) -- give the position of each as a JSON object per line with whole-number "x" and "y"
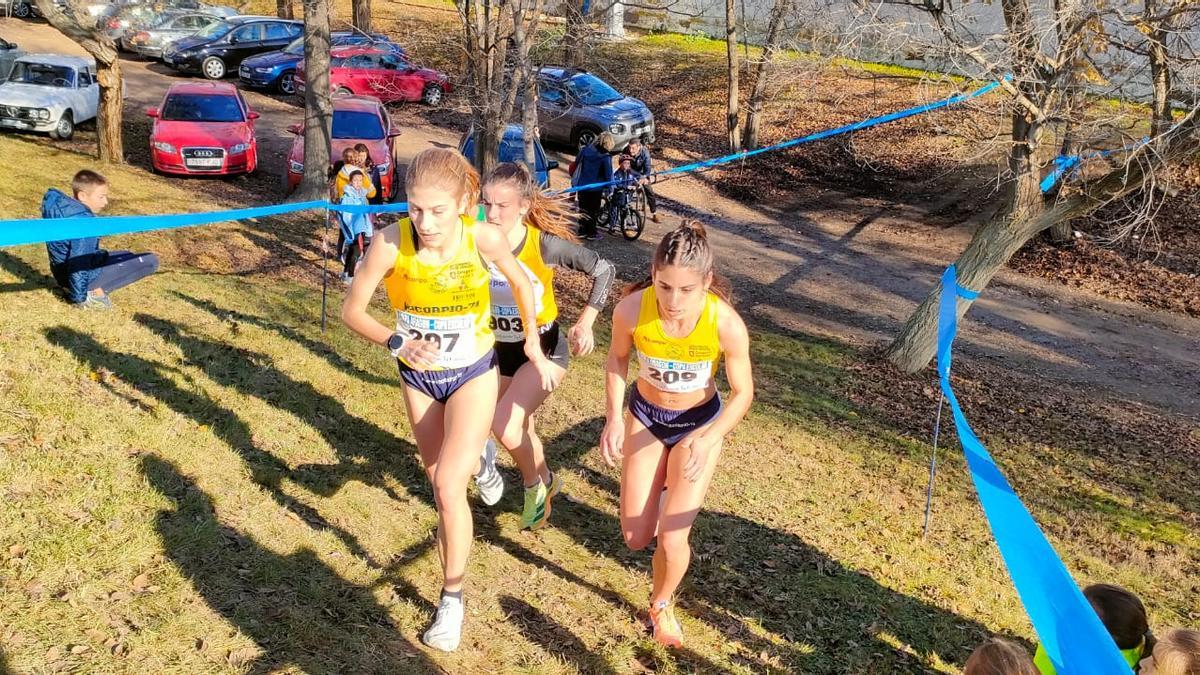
{"x": 1176, "y": 653}
{"x": 640, "y": 154}
{"x": 372, "y": 173}
{"x": 356, "y": 227}
{"x": 593, "y": 165}
{"x": 86, "y": 272}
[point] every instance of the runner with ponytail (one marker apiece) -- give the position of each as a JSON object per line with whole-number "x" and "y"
{"x": 541, "y": 236}
{"x": 679, "y": 320}
{"x": 434, "y": 267}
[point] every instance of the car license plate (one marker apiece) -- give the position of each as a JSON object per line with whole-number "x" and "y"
{"x": 204, "y": 162}
{"x": 15, "y": 124}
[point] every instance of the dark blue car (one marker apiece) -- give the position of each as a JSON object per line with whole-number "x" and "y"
{"x": 512, "y": 149}
{"x": 275, "y": 70}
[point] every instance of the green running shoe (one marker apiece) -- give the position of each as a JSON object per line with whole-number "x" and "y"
{"x": 537, "y": 503}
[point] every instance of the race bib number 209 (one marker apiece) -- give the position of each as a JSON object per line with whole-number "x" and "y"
{"x": 674, "y": 376}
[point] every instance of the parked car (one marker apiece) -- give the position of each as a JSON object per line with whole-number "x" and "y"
{"x": 378, "y": 72}
{"x": 221, "y": 47}
{"x": 49, "y": 93}
{"x": 149, "y": 41}
{"x": 512, "y": 149}
{"x": 8, "y": 56}
{"x": 203, "y": 128}
{"x": 22, "y": 9}
{"x": 356, "y": 119}
{"x": 575, "y": 106}
{"x": 277, "y": 70}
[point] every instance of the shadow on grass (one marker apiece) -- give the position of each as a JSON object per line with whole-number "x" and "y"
{"x": 554, "y": 638}
{"x": 152, "y": 380}
{"x": 31, "y": 278}
{"x": 297, "y": 610}
{"x": 828, "y": 617}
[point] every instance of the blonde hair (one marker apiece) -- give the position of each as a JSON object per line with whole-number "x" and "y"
{"x": 687, "y": 246}
{"x": 999, "y": 657}
{"x": 445, "y": 169}
{"x": 548, "y": 214}
{"x": 607, "y": 142}
{"x": 1178, "y": 653}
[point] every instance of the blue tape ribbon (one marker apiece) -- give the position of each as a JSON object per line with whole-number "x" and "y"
{"x": 1068, "y": 164}
{"x": 820, "y": 135}
{"x": 1067, "y": 626}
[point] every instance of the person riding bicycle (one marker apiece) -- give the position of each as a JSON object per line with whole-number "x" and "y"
{"x": 638, "y": 150}
{"x": 625, "y": 184}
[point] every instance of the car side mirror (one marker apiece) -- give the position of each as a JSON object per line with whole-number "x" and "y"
{"x": 392, "y": 133}
{"x": 151, "y": 112}
{"x": 253, "y": 115}
{"x": 296, "y": 129}
{"x": 551, "y": 165}
{"x": 12, "y": 45}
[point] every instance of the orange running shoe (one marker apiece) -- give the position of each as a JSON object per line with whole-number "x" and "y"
{"x": 667, "y": 631}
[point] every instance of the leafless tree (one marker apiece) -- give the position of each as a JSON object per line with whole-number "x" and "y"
{"x": 74, "y": 22}
{"x": 360, "y": 11}
{"x": 754, "y": 106}
{"x": 318, "y": 105}
{"x": 733, "y": 114}
{"x": 283, "y": 9}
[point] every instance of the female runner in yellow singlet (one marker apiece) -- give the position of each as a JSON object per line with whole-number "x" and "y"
{"x": 541, "y": 236}
{"x": 434, "y": 267}
{"x": 679, "y": 321}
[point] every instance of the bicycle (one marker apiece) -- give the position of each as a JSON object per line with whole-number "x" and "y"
{"x": 630, "y": 212}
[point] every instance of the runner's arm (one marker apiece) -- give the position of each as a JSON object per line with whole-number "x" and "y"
{"x": 624, "y": 319}
{"x": 735, "y": 342}
{"x": 562, "y": 253}
{"x": 381, "y": 257}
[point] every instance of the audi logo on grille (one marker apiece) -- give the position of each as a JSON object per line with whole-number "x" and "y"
{"x": 204, "y": 153}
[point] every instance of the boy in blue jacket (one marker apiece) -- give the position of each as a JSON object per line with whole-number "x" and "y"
{"x": 86, "y": 272}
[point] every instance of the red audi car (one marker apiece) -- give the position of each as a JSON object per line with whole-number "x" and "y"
{"x": 356, "y": 119}
{"x": 203, "y": 128}
{"x": 380, "y": 72}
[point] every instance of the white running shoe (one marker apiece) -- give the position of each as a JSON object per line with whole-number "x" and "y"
{"x": 446, "y": 631}
{"x": 489, "y": 480}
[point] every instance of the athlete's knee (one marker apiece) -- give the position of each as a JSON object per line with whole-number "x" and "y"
{"x": 449, "y": 489}
{"x": 638, "y": 538}
{"x": 674, "y": 544}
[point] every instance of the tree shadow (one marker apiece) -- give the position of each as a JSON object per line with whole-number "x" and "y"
{"x": 297, "y": 610}
{"x": 31, "y": 277}
{"x": 320, "y": 349}
{"x": 551, "y": 636}
{"x": 830, "y": 618}
{"x": 151, "y": 379}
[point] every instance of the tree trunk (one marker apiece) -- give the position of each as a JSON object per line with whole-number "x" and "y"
{"x": 361, "y": 15}
{"x": 755, "y": 104}
{"x": 575, "y": 37}
{"x": 283, "y": 9}
{"x": 732, "y": 112}
{"x": 993, "y": 245}
{"x": 84, "y": 30}
{"x": 616, "y": 20}
{"x": 1160, "y": 70}
{"x": 110, "y": 113}
{"x": 526, "y": 76}
{"x": 318, "y": 106}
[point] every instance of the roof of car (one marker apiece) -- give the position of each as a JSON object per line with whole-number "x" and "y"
{"x": 202, "y": 88}
{"x": 354, "y": 50}
{"x": 250, "y": 18}
{"x": 560, "y": 72}
{"x": 355, "y": 103}
{"x": 59, "y": 60}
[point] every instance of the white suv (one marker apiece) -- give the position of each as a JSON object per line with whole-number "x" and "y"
{"x": 49, "y": 92}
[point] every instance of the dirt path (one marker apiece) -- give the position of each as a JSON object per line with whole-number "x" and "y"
{"x": 834, "y": 265}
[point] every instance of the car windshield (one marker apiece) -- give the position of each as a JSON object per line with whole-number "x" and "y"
{"x": 202, "y": 108}
{"x": 353, "y": 124}
{"x": 512, "y": 149}
{"x": 215, "y": 30}
{"x": 591, "y": 90}
{"x": 43, "y": 74}
{"x": 295, "y": 47}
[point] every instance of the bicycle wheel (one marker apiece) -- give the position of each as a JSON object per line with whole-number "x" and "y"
{"x": 632, "y": 224}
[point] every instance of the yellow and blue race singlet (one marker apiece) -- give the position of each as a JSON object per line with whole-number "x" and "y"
{"x": 448, "y": 303}
{"x": 671, "y": 364}
{"x": 506, "y": 315}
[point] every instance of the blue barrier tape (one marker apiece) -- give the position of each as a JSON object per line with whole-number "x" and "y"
{"x": 821, "y": 135}
{"x": 1067, "y": 164}
{"x": 1067, "y": 626}
{"x": 34, "y": 231}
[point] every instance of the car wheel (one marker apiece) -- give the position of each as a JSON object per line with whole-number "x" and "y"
{"x": 286, "y": 84}
{"x": 65, "y": 128}
{"x": 213, "y": 68}
{"x": 586, "y": 136}
{"x": 432, "y": 95}
{"x": 22, "y": 10}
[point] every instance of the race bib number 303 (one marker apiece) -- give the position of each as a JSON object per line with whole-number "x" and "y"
{"x": 454, "y": 336}
{"x": 674, "y": 376}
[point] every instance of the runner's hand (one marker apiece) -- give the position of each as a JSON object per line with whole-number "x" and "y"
{"x": 543, "y": 365}
{"x": 419, "y": 354}
{"x": 581, "y": 339}
{"x": 611, "y": 440}
{"x": 700, "y": 448}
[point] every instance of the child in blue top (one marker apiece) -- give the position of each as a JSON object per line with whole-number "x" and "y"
{"x": 356, "y": 227}
{"x": 625, "y": 181}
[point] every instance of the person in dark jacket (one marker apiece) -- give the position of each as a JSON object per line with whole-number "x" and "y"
{"x": 593, "y": 165}
{"x": 640, "y": 155}
{"x": 86, "y": 272}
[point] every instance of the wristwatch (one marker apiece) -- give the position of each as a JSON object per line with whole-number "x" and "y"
{"x": 396, "y": 343}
